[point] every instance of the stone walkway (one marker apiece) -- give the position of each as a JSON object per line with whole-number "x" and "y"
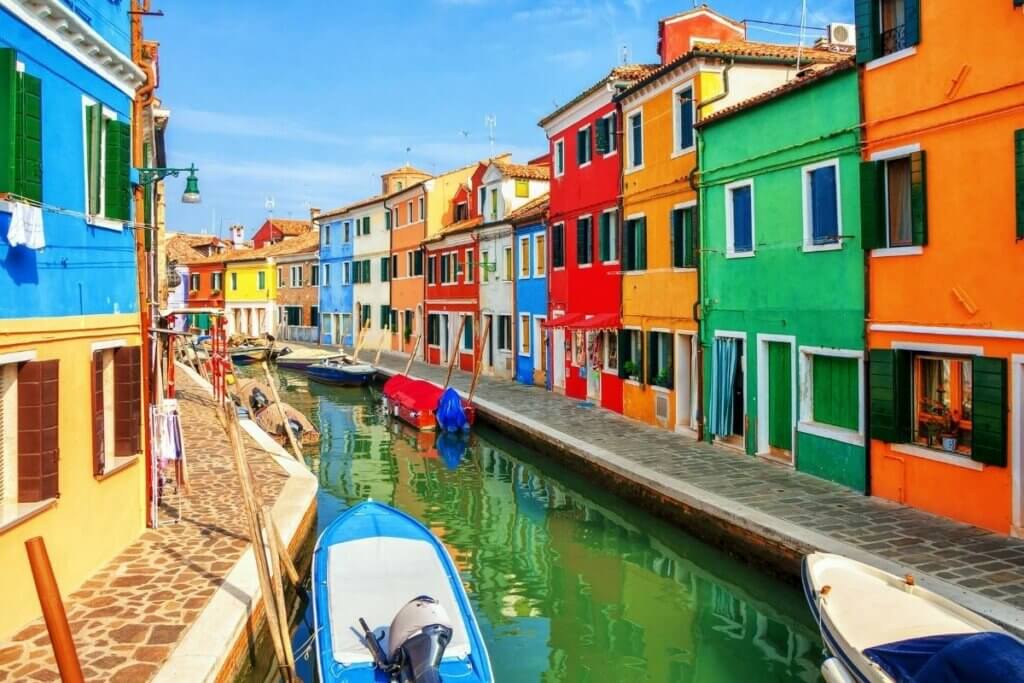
{"x": 983, "y": 570}
{"x": 128, "y": 618}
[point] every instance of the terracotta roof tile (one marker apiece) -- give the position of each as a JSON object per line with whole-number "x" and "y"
{"x": 536, "y": 208}
{"x": 178, "y": 248}
{"x": 625, "y": 72}
{"x": 405, "y": 169}
{"x": 289, "y": 227}
{"x": 307, "y": 242}
{"x": 523, "y": 171}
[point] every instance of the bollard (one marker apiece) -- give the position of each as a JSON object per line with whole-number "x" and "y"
{"x": 53, "y": 612}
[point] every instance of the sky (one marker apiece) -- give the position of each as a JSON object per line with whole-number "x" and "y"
{"x": 308, "y": 101}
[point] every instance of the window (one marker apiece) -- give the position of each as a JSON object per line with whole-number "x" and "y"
{"x": 559, "y": 155}
{"x": 365, "y": 316}
{"x": 433, "y": 329}
{"x": 346, "y": 231}
{"x": 385, "y": 268}
{"x": 634, "y": 246}
{"x": 385, "y": 316}
{"x": 408, "y": 324}
{"x": 631, "y": 354}
{"x": 394, "y": 266}
{"x": 739, "y": 210}
{"x": 261, "y": 280}
{"x": 944, "y": 400}
{"x": 507, "y": 253}
{"x": 21, "y": 171}
{"x": 445, "y": 270}
{"x": 293, "y": 315}
{"x": 296, "y": 276}
{"x": 483, "y": 198}
{"x": 540, "y": 257}
{"x": 485, "y": 264}
{"x": 399, "y": 185}
{"x": 422, "y": 212}
{"x": 217, "y": 282}
{"x": 193, "y": 282}
{"x": 606, "y": 135}
{"x": 234, "y": 282}
{"x": 524, "y": 335}
{"x": 280, "y": 277}
{"x": 524, "y": 258}
{"x": 504, "y": 333}
{"x": 467, "y": 333}
{"x": 366, "y": 225}
{"x": 893, "y": 26}
{"x": 314, "y": 275}
{"x": 116, "y": 406}
{"x": 28, "y": 447}
{"x": 461, "y": 211}
{"x": 584, "y": 241}
{"x": 898, "y": 214}
{"x": 390, "y": 218}
{"x": 894, "y": 202}
{"x": 1018, "y": 147}
{"x": 494, "y": 204}
{"x": 408, "y": 212}
{"x": 346, "y": 324}
{"x": 584, "y": 151}
{"x": 326, "y": 268}
{"x": 683, "y": 111}
{"x": 684, "y": 237}
{"x": 431, "y": 269}
{"x": 522, "y": 188}
{"x": 346, "y": 273}
{"x": 608, "y": 237}
{"x": 611, "y": 351}
{"x": 835, "y": 391}
{"x": 325, "y": 235}
{"x": 635, "y": 124}
{"x": 659, "y": 359}
{"x": 470, "y": 265}
{"x": 314, "y": 316}
{"x": 885, "y": 27}
{"x": 822, "y": 223}
{"x": 558, "y": 245}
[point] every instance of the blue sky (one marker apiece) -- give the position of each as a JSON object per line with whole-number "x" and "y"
{"x": 309, "y": 101}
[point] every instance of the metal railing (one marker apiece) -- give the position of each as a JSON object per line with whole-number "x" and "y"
{"x": 894, "y": 40}
{"x": 299, "y": 333}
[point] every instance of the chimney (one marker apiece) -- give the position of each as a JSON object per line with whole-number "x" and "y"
{"x": 238, "y": 236}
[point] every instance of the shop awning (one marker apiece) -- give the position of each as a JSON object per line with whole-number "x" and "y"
{"x": 564, "y": 321}
{"x": 601, "y": 321}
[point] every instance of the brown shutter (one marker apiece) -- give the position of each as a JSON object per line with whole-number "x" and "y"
{"x": 127, "y": 400}
{"x": 98, "y": 438}
{"x": 38, "y": 444}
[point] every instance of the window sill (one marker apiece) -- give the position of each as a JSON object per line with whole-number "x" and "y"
{"x": 680, "y": 152}
{"x": 742, "y": 254}
{"x": 612, "y": 372}
{"x": 633, "y": 169}
{"x": 688, "y": 269}
{"x": 897, "y": 251}
{"x": 13, "y": 514}
{"x": 634, "y": 272}
{"x": 105, "y": 223}
{"x": 632, "y": 382}
{"x": 661, "y": 390}
{"x": 937, "y": 456}
{"x": 538, "y": 276}
{"x": 831, "y": 246}
{"x": 832, "y": 432}
{"x": 581, "y": 266}
{"x": 583, "y": 165}
{"x": 890, "y": 58}
{"x": 117, "y": 465}
{"x": 610, "y": 154}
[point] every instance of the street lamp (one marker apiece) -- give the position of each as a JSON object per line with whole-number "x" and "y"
{"x": 191, "y": 194}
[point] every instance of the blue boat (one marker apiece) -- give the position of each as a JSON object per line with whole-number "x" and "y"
{"x": 388, "y": 604}
{"x": 341, "y": 374}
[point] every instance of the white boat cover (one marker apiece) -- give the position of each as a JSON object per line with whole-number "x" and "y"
{"x": 373, "y": 578}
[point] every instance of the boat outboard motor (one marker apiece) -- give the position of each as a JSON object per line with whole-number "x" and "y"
{"x": 296, "y": 427}
{"x": 258, "y": 400}
{"x": 418, "y": 636}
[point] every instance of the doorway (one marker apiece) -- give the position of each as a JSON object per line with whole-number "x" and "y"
{"x": 558, "y": 359}
{"x": 776, "y": 396}
{"x": 727, "y": 406}
{"x": 684, "y": 363}
{"x": 540, "y": 367}
{"x": 592, "y": 359}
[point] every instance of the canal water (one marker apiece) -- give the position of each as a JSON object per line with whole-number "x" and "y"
{"x": 569, "y": 582}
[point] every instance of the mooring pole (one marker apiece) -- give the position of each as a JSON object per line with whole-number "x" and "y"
{"x": 53, "y": 611}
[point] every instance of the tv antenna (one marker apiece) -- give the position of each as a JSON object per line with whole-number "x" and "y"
{"x": 269, "y": 205}
{"x": 625, "y": 53}
{"x": 491, "y": 121}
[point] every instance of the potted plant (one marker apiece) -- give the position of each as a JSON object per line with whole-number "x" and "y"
{"x": 950, "y": 432}
{"x": 193, "y": 293}
{"x": 664, "y": 378}
{"x": 631, "y": 370}
{"x": 214, "y": 293}
{"x": 408, "y": 333}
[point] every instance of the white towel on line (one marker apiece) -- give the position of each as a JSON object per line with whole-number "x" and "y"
{"x": 26, "y": 226}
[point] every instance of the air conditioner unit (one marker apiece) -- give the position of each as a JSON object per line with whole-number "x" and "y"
{"x": 842, "y": 35}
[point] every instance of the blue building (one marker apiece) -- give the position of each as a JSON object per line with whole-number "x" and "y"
{"x": 336, "y": 233}
{"x": 70, "y": 355}
{"x": 531, "y": 293}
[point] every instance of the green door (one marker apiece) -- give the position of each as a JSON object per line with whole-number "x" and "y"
{"x": 780, "y": 396}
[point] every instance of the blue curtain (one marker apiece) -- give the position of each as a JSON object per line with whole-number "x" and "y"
{"x": 725, "y": 360}
{"x": 824, "y": 215}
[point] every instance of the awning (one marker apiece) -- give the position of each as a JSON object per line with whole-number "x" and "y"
{"x": 601, "y": 321}
{"x": 563, "y": 321}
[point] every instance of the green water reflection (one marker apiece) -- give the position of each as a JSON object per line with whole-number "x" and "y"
{"x": 570, "y": 583}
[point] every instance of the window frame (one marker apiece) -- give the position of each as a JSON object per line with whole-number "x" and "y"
{"x": 558, "y": 152}
{"x": 588, "y": 131}
{"x": 99, "y": 219}
{"x": 589, "y": 218}
{"x": 613, "y": 138}
{"x": 630, "y": 268}
{"x": 539, "y": 244}
{"x": 630, "y": 166}
{"x": 730, "y": 235}
{"x": 805, "y": 379}
{"x": 808, "y": 208}
{"x": 509, "y": 256}
{"x": 683, "y": 206}
{"x": 325, "y": 275}
{"x": 505, "y": 345}
{"x": 524, "y": 271}
{"x": 524, "y": 322}
{"x": 560, "y": 226}
{"x": 193, "y": 282}
{"x": 614, "y": 251}
{"x": 608, "y": 366}
{"x": 677, "y": 110}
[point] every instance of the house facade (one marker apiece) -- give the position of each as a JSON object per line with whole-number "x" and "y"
{"x": 452, "y": 294}
{"x": 407, "y": 211}
{"x": 298, "y": 295}
{"x": 497, "y": 291}
{"x": 943, "y": 219}
{"x": 336, "y": 237}
{"x": 250, "y": 281}
{"x": 276, "y": 230}
{"x": 371, "y": 272}
{"x": 783, "y": 276}
{"x": 206, "y": 289}
{"x": 530, "y": 299}
{"x": 71, "y": 465}
{"x": 585, "y": 278}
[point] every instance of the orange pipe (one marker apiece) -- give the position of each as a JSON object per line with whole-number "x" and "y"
{"x": 53, "y": 612}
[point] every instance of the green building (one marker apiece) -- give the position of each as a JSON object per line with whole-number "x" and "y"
{"x": 782, "y": 276}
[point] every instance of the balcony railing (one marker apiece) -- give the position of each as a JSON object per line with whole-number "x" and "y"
{"x": 894, "y": 40}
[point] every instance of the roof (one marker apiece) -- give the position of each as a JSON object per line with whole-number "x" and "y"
{"x": 532, "y": 210}
{"x": 523, "y": 171}
{"x": 457, "y": 228}
{"x": 703, "y": 9}
{"x": 808, "y": 76}
{"x": 179, "y": 248}
{"x": 625, "y": 72}
{"x": 303, "y": 243}
{"x": 406, "y": 168}
{"x": 355, "y": 205}
{"x": 289, "y": 227}
{"x": 743, "y": 50}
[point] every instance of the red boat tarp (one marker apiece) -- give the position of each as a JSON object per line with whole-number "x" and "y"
{"x": 414, "y": 394}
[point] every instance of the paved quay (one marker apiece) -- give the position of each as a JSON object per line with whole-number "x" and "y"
{"x": 754, "y": 507}
{"x": 140, "y": 616}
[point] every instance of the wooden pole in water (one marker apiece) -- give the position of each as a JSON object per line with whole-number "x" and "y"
{"x": 53, "y": 611}
{"x": 282, "y": 548}
{"x": 479, "y": 359}
{"x": 272, "y": 382}
{"x": 360, "y": 338}
{"x": 412, "y": 356}
{"x": 455, "y": 352}
{"x": 380, "y": 344}
{"x": 277, "y": 584}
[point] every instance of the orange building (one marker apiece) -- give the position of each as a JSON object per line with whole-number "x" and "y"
{"x": 943, "y": 215}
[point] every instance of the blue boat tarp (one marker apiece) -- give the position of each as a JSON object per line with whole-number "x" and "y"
{"x": 451, "y": 416}
{"x": 956, "y": 658}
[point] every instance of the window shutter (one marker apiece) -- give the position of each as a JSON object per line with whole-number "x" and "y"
{"x": 29, "y": 138}
{"x": 98, "y": 438}
{"x": 912, "y": 21}
{"x": 678, "y": 239}
{"x": 639, "y": 359}
{"x": 581, "y": 146}
{"x": 869, "y": 39}
{"x": 652, "y": 358}
{"x": 8, "y": 117}
{"x": 641, "y": 244}
{"x": 38, "y": 431}
{"x": 387, "y": 219}
{"x": 602, "y": 235}
{"x": 417, "y": 262}
{"x": 385, "y": 264}
{"x": 127, "y": 400}
{"x": 918, "y": 199}
{"x": 624, "y": 352}
{"x": 581, "y": 242}
{"x": 686, "y": 119}
{"x": 602, "y": 136}
{"x": 117, "y": 200}
{"x": 872, "y": 205}
{"x": 1018, "y": 146}
{"x": 891, "y": 392}
{"x": 692, "y": 245}
{"x": 990, "y": 408}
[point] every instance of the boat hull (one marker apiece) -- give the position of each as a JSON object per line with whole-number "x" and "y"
{"x": 339, "y": 378}
{"x": 414, "y": 401}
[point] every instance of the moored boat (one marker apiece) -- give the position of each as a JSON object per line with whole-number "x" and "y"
{"x": 341, "y": 374}
{"x": 416, "y": 402}
{"x": 301, "y": 358}
{"x": 248, "y": 354}
{"x": 880, "y": 628}
{"x": 388, "y": 602}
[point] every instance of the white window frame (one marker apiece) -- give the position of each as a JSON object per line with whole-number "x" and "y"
{"x": 280, "y": 278}
{"x": 510, "y": 266}
{"x": 677, "y": 112}
{"x": 540, "y": 265}
{"x": 216, "y": 278}
{"x": 98, "y": 220}
{"x": 325, "y": 235}
{"x": 193, "y": 278}
{"x": 501, "y": 342}
{"x": 408, "y": 212}
{"x": 469, "y": 272}
{"x": 809, "y": 245}
{"x": 888, "y": 155}
{"x": 559, "y": 154}
{"x": 314, "y": 274}
{"x": 524, "y": 241}
{"x": 590, "y": 144}
{"x": 730, "y": 251}
{"x": 525, "y": 340}
{"x": 614, "y": 251}
{"x": 462, "y": 337}
{"x": 629, "y": 116}
{"x": 805, "y": 421}
{"x": 295, "y": 276}
{"x": 613, "y": 140}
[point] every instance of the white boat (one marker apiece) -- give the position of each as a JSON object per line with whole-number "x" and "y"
{"x": 880, "y": 628}
{"x": 301, "y": 358}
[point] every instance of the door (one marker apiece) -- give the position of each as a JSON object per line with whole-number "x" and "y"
{"x": 540, "y": 371}
{"x": 682, "y": 365}
{"x": 593, "y": 363}
{"x": 780, "y": 400}
{"x": 739, "y": 406}
{"x": 559, "y": 358}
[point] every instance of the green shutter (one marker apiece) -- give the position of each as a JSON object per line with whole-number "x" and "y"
{"x": 385, "y": 264}
{"x": 872, "y": 205}
{"x": 580, "y": 147}
{"x": 641, "y": 244}
{"x": 366, "y": 225}
{"x": 891, "y": 395}
{"x": 624, "y": 352}
{"x": 417, "y": 262}
{"x": 387, "y": 219}
{"x": 835, "y": 391}
{"x": 869, "y": 39}
{"x": 918, "y": 199}
{"x": 603, "y": 234}
{"x": 652, "y": 359}
{"x": 602, "y": 136}
{"x": 912, "y": 21}
{"x": 693, "y": 248}
{"x": 385, "y": 316}
{"x": 8, "y": 117}
{"x": 117, "y": 201}
{"x": 1018, "y": 146}
{"x": 29, "y": 138}
{"x": 989, "y": 411}
{"x": 678, "y": 239}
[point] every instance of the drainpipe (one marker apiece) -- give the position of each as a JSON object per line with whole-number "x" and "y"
{"x": 621, "y": 215}
{"x": 862, "y": 132}
{"x": 725, "y": 87}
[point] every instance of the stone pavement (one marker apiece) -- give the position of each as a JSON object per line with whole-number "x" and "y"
{"x": 128, "y": 618}
{"x": 982, "y": 570}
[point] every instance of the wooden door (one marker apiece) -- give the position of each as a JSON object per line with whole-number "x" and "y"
{"x": 780, "y": 398}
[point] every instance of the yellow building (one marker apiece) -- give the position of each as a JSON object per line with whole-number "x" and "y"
{"x": 660, "y": 231}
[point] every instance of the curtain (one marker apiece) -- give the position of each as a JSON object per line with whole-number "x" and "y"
{"x": 724, "y": 364}
{"x": 898, "y": 179}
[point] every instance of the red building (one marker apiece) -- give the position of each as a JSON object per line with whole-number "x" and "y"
{"x": 678, "y": 33}
{"x": 206, "y": 287}
{"x": 584, "y": 279}
{"x": 278, "y": 230}
{"x": 452, "y": 293}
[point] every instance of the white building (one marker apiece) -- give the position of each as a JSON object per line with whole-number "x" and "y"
{"x": 371, "y": 271}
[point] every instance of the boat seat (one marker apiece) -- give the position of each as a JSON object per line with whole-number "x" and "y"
{"x": 375, "y": 577}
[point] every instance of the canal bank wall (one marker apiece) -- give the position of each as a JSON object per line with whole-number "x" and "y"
{"x": 762, "y": 512}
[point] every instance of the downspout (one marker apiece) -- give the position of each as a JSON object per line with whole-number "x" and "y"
{"x": 862, "y": 133}
{"x": 620, "y": 212}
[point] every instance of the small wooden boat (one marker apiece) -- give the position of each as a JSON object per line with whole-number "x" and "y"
{"x": 301, "y": 358}
{"x": 388, "y": 604}
{"x": 269, "y": 420}
{"x": 415, "y": 402}
{"x": 341, "y": 374}
{"x": 881, "y": 628}
{"x": 248, "y": 354}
